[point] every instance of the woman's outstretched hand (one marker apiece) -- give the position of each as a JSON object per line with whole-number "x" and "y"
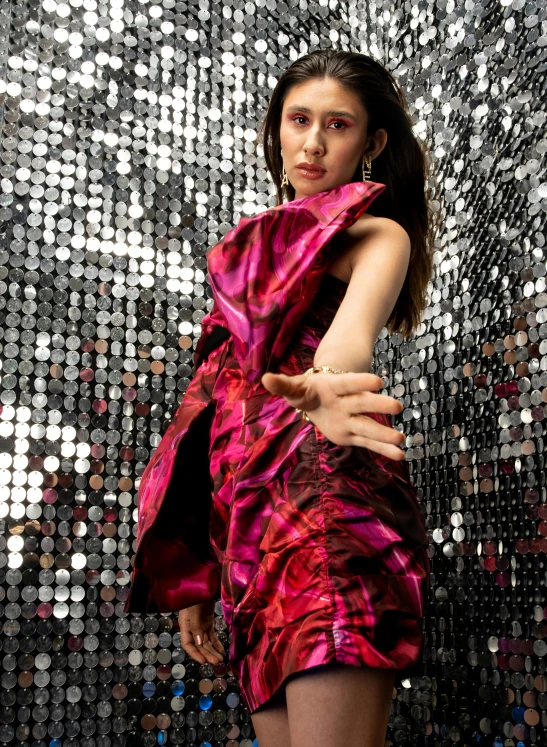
{"x": 337, "y": 404}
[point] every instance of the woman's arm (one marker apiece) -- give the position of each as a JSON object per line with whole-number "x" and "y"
{"x": 379, "y": 262}
{"x": 337, "y": 404}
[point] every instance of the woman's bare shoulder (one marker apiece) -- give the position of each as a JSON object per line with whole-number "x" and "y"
{"x": 352, "y": 235}
{"x": 367, "y": 223}
{"x": 348, "y": 243}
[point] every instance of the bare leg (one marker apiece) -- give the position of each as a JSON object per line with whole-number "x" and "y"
{"x": 339, "y": 706}
{"x": 271, "y": 722}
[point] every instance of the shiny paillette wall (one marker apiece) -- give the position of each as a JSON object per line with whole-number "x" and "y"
{"x": 128, "y": 148}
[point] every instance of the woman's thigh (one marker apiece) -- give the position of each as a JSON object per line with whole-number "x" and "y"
{"x": 335, "y": 705}
{"x": 271, "y": 723}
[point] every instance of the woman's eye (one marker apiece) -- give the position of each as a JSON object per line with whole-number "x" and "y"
{"x": 337, "y": 122}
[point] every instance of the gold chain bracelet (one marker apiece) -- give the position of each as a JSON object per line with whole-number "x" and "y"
{"x": 318, "y": 369}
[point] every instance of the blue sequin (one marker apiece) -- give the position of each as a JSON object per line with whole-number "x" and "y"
{"x": 178, "y": 687}
{"x": 205, "y": 702}
{"x": 518, "y": 714}
{"x": 148, "y": 689}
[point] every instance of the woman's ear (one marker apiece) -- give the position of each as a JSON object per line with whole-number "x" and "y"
{"x": 378, "y": 143}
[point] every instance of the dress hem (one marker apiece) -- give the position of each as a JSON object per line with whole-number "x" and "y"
{"x": 254, "y": 702}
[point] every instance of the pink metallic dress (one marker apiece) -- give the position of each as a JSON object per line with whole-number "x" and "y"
{"x": 318, "y": 552}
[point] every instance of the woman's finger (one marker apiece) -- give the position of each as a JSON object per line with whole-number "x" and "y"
{"x": 190, "y": 637}
{"x": 391, "y": 452}
{"x": 366, "y": 427}
{"x": 216, "y": 642}
{"x": 203, "y": 652}
{"x": 347, "y": 383}
{"x": 354, "y": 383}
{"x": 211, "y": 649}
{"x": 363, "y": 402}
{"x": 193, "y": 651}
{"x": 301, "y": 391}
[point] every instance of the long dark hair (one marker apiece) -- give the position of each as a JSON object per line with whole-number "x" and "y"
{"x": 402, "y": 166}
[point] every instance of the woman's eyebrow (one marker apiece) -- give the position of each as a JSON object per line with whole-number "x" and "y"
{"x": 331, "y": 113}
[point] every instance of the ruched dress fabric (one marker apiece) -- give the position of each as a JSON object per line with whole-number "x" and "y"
{"x": 317, "y": 551}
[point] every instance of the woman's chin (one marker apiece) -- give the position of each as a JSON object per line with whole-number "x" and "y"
{"x": 307, "y": 190}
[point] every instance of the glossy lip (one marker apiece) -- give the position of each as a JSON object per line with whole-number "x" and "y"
{"x": 310, "y": 167}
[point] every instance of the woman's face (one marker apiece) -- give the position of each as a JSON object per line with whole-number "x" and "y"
{"x": 324, "y": 124}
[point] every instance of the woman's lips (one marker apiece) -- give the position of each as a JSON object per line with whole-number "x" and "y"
{"x": 310, "y": 173}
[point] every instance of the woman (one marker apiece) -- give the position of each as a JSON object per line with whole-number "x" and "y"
{"x": 313, "y": 536}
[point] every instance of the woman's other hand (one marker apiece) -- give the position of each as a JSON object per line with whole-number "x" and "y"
{"x": 337, "y": 404}
{"x": 197, "y": 634}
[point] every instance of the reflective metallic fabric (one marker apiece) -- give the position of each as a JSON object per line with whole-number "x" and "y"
{"x": 321, "y": 548}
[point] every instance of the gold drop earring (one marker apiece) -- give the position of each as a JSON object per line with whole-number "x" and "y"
{"x": 284, "y": 178}
{"x": 366, "y": 173}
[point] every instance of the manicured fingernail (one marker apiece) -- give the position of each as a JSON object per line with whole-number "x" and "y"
{"x": 198, "y": 639}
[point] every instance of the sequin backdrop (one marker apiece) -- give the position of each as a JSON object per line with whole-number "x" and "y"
{"x": 128, "y": 136}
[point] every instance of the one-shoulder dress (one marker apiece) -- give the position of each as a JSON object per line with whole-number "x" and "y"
{"x": 318, "y": 552}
